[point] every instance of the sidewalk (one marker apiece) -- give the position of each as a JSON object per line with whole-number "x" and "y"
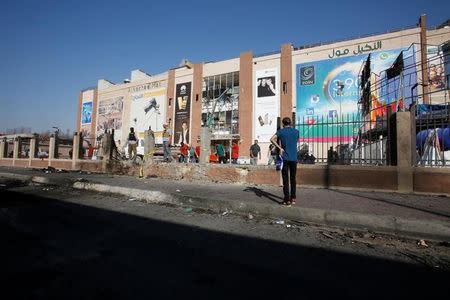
{"x": 408, "y": 215}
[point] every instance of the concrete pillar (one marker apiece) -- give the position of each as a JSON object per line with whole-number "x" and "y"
{"x": 80, "y": 105}
{"x": 32, "y": 153}
{"x": 404, "y": 153}
{"x": 423, "y": 58}
{"x": 205, "y": 142}
{"x": 16, "y": 148}
{"x": 149, "y": 145}
{"x": 246, "y": 102}
{"x": 170, "y": 111}
{"x": 75, "y": 150}
{"x": 196, "y": 104}
{"x": 94, "y": 117}
{"x": 51, "y": 148}
{"x": 286, "y": 82}
{"x": 3, "y": 148}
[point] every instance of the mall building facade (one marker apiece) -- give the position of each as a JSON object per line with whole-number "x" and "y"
{"x": 295, "y": 81}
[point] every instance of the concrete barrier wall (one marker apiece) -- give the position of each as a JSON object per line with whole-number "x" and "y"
{"x": 65, "y": 164}
{"x": 6, "y": 162}
{"x": 432, "y": 180}
{"x": 21, "y": 162}
{"x": 378, "y": 178}
{"x": 39, "y": 163}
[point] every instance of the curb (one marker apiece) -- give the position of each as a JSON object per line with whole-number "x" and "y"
{"x": 27, "y": 178}
{"x": 411, "y": 228}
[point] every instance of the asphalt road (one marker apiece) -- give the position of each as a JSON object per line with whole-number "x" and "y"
{"x": 59, "y": 243}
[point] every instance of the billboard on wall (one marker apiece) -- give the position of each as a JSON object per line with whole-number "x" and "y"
{"x": 110, "y": 116}
{"x": 148, "y": 109}
{"x": 86, "y": 112}
{"x": 182, "y": 113}
{"x": 328, "y": 92}
{"x": 266, "y": 104}
{"x": 436, "y": 73}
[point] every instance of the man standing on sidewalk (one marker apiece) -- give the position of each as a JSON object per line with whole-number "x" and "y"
{"x": 288, "y": 149}
{"x": 167, "y": 136}
{"x": 255, "y": 152}
{"x": 132, "y": 144}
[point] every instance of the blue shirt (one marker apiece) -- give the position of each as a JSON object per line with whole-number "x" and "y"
{"x": 288, "y": 137}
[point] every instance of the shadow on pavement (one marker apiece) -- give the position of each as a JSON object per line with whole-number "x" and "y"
{"x": 393, "y": 202}
{"x": 57, "y": 250}
{"x": 263, "y": 194}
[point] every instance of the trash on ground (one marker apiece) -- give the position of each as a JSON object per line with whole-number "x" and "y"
{"x": 48, "y": 170}
{"x": 327, "y": 235}
{"x": 189, "y": 209}
{"x": 288, "y": 226}
{"x": 250, "y": 216}
{"x": 422, "y": 243}
{"x": 278, "y": 222}
{"x": 132, "y": 199}
{"x": 81, "y": 179}
{"x": 225, "y": 212}
{"x": 178, "y": 191}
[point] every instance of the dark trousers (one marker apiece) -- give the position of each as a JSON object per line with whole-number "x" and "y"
{"x": 289, "y": 174}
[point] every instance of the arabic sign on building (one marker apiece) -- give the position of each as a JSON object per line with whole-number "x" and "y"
{"x": 333, "y": 94}
{"x": 147, "y": 86}
{"x": 266, "y": 104}
{"x": 361, "y": 49}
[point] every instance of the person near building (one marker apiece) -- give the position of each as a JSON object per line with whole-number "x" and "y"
{"x": 220, "y": 151}
{"x": 184, "y": 153}
{"x": 197, "y": 152}
{"x": 167, "y": 136}
{"x": 234, "y": 152}
{"x": 132, "y": 144}
{"x": 255, "y": 153}
{"x": 272, "y": 154}
{"x": 192, "y": 157}
{"x": 288, "y": 137}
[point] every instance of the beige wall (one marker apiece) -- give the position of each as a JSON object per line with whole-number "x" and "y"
{"x": 221, "y": 67}
{"x": 438, "y": 36}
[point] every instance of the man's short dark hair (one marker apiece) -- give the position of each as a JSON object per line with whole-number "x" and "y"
{"x": 286, "y": 121}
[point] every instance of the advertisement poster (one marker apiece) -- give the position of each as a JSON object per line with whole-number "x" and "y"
{"x": 436, "y": 74}
{"x": 86, "y": 112}
{"x": 328, "y": 92}
{"x": 110, "y": 116}
{"x": 182, "y": 113}
{"x": 148, "y": 109}
{"x": 266, "y": 104}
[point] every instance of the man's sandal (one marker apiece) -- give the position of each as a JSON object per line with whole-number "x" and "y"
{"x": 287, "y": 203}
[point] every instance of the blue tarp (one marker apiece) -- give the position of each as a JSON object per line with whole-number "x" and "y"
{"x": 442, "y": 133}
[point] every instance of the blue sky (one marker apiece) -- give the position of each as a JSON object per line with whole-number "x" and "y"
{"x": 50, "y": 50}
